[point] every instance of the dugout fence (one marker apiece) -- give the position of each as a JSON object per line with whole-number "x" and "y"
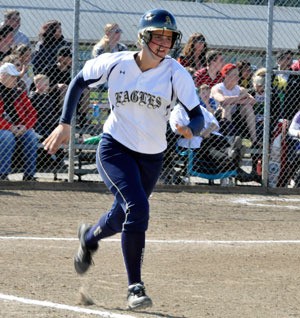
{"x": 260, "y": 38}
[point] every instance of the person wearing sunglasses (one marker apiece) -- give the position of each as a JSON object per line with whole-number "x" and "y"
{"x": 109, "y": 43}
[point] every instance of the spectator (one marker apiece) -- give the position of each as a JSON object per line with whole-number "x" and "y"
{"x": 17, "y": 118}
{"x": 293, "y": 156}
{"x": 109, "y": 43}
{"x": 258, "y": 92}
{"x": 206, "y": 100}
{"x": 194, "y": 52}
{"x": 6, "y": 40}
{"x": 50, "y": 41}
{"x": 46, "y": 105}
{"x": 296, "y": 65}
{"x": 294, "y": 129}
{"x": 236, "y": 104}
{"x": 210, "y": 74}
{"x": 284, "y": 60}
{"x": 14, "y": 59}
{"x": 61, "y": 70}
{"x": 12, "y": 18}
{"x": 245, "y": 73}
{"x": 289, "y": 84}
{"x": 211, "y": 149}
{"x": 24, "y": 53}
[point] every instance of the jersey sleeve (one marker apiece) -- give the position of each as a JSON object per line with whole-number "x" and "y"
{"x": 96, "y": 71}
{"x": 178, "y": 116}
{"x": 184, "y": 87}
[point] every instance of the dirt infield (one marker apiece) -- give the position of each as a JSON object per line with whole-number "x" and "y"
{"x": 207, "y": 255}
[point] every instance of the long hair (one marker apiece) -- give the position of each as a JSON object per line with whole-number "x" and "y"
{"x": 189, "y": 49}
{"x": 47, "y": 31}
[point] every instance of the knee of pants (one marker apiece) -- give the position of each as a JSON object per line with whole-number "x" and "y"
{"x": 7, "y": 141}
{"x": 30, "y": 139}
{"x": 137, "y": 217}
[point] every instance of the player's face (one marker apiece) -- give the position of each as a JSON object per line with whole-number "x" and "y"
{"x": 161, "y": 42}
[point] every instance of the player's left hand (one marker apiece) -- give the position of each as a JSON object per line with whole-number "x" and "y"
{"x": 185, "y": 131}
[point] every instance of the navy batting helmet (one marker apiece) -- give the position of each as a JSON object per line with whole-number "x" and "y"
{"x": 158, "y": 19}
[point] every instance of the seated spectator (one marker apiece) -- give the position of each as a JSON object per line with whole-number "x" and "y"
{"x": 24, "y": 53}
{"x": 13, "y": 18}
{"x": 294, "y": 129}
{"x": 6, "y": 41}
{"x": 45, "y": 103}
{"x": 206, "y": 100}
{"x": 236, "y": 104}
{"x": 14, "y": 59}
{"x": 110, "y": 42}
{"x": 210, "y": 74}
{"x": 293, "y": 156}
{"x": 258, "y": 92}
{"x": 212, "y": 152}
{"x": 245, "y": 73}
{"x": 289, "y": 84}
{"x": 62, "y": 70}
{"x": 296, "y": 65}
{"x": 193, "y": 53}
{"x": 17, "y": 118}
{"x": 50, "y": 41}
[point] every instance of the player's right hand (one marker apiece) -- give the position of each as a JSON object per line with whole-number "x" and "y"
{"x": 59, "y": 136}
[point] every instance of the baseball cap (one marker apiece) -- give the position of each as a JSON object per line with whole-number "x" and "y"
{"x": 227, "y": 68}
{"x": 10, "y": 69}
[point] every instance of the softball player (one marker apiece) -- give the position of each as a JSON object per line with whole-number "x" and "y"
{"x": 143, "y": 86}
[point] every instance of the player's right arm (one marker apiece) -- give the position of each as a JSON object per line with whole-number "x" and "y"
{"x": 94, "y": 72}
{"x": 61, "y": 134}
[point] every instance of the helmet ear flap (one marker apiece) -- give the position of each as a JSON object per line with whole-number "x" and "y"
{"x": 145, "y": 37}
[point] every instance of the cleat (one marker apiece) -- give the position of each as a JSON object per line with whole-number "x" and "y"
{"x": 83, "y": 259}
{"x": 137, "y": 298}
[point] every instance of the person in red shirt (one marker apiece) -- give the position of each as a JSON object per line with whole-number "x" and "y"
{"x": 17, "y": 118}
{"x": 210, "y": 75}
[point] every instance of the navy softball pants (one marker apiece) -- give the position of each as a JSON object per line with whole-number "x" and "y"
{"x": 131, "y": 177}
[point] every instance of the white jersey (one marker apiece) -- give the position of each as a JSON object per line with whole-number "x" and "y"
{"x": 140, "y": 101}
{"x": 179, "y": 116}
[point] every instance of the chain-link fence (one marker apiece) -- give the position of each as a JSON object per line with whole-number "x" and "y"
{"x": 243, "y": 59}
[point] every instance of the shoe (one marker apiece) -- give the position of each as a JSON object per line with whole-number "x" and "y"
{"x": 243, "y": 176}
{"x": 137, "y": 298}
{"x": 83, "y": 259}
{"x": 29, "y": 178}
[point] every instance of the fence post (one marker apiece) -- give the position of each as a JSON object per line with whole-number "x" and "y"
{"x": 75, "y": 48}
{"x": 269, "y": 66}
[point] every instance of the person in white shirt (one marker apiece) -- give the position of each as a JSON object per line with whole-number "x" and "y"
{"x": 294, "y": 150}
{"x": 13, "y": 18}
{"x": 234, "y": 100}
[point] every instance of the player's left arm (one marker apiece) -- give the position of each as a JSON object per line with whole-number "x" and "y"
{"x": 186, "y": 92}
